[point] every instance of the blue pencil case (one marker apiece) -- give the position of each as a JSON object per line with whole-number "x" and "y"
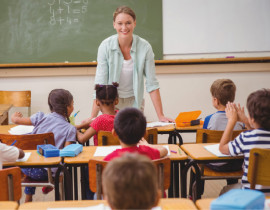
{"x": 239, "y": 199}
{"x": 48, "y": 150}
{"x": 71, "y": 150}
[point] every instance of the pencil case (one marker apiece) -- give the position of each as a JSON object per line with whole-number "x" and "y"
{"x": 48, "y": 150}
{"x": 71, "y": 150}
{"x": 239, "y": 199}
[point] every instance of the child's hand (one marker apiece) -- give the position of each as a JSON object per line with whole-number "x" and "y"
{"x": 17, "y": 115}
{"x": 241, "y": 113}
{"x": 231, "y": 112}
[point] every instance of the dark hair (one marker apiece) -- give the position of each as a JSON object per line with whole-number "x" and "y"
{"x": 107, "y": 94}
{"x": 126, "y": 10}
{"x": 59, "y": 100}
{"x": 130, "y": 182}
{"x": 258, "y": 105}
{"x": 224, "y": 90}
{"x": 130, "y": 125}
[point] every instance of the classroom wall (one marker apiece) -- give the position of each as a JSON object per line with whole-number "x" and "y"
{"x": 180, "y": 91}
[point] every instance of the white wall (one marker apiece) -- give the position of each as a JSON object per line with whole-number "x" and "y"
{"x": 180, "y": 92}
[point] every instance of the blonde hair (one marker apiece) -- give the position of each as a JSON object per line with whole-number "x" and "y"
{"x": 126, "y": 10}
{"x": 130, "y": 182}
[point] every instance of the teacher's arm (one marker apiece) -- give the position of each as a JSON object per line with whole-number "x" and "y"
{"x": 152, "y": 85}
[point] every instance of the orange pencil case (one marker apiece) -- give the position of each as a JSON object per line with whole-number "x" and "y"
{"x": 185, "y": 118}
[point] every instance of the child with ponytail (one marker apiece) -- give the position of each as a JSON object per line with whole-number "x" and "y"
{"x": 106, "y": 99}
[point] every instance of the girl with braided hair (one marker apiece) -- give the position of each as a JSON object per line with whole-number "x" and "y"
{"x": 61, "y": 106}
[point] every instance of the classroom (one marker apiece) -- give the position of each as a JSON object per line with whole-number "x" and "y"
{"x": 200, "y": 43}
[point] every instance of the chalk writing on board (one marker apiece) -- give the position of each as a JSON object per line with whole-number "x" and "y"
{"x": 66, "y": 11}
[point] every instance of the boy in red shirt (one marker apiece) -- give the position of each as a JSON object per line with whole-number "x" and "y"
{"x": 130, "y": 127}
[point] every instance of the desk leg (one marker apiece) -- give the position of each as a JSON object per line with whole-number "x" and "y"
{"x": 75, "y": 181}
{"x": 182, "y": 180}
{"x": 67, "y": 181}
{"x": 83, "y": 183}
{"x": 176, "y": 179}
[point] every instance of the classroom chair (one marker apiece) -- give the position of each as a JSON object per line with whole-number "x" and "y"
{"x": 10, "y": 182}
{"x": 106, "y": 138}
{"x": 258, "y": 168}
{"x": 96, "y": 167}
{"x": 30, "y": 142}
{"x": 210, "y": 136}
{"x": 17, "y": 99}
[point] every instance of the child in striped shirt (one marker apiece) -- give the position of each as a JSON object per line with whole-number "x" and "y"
{"x": 258, "y": 105}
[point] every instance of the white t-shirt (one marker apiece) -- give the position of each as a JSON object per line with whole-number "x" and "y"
{"x": 125, "y": 89}
{"x": 8, "y": 153}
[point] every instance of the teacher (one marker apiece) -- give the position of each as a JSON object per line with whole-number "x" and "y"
{"x": 127, "y": 59}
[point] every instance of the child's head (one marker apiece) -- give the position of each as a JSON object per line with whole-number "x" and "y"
{"x": 107, "y": 94}
{"x": 61, "y": 102}
{"x": 130, "y": 125}
{"x": 223, "y": 90}
{"x": 258, "y": 105}
{"x": 130, "y": 182}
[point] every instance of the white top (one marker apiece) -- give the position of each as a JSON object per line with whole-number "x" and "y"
{"x": 125, "y": 89}
{"x": 8, "y": 153}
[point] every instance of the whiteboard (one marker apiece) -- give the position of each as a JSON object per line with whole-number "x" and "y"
{"x": 215, "y": 26}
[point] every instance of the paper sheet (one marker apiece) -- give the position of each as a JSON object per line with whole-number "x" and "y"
{"x": 104, "y": 151}
{"x": 214, "y": 149}
{"x": 25, "y": 158}
{"x": 158, "y": 124}
{"x": 21, "y": 129}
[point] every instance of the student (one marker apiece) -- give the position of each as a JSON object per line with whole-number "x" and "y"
{"x": 106, "y": 99}
{"x": 61, "y": 105}
{"x": 130, "y": 127}
{"x": 9, "y": 153}
{"x": 258, "y": 105}
{"x": 223, "y": 91}
{"x": 130, "y": 182}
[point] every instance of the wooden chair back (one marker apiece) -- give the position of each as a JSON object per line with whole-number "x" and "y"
{"x": 258, "y": 168}
{"x": 17, "y": 99}
{"x": 10, "y": 182}
{"x": 106, "y": 138}
{"x": 212, "y": 136}
{"x": 95, "y": 168}
{"x": 28, "y": 142}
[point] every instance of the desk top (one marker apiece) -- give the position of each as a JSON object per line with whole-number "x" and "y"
{"x": 198, "y": 152}
{"x": 189, "y": 128}
{"x": 89, "y": 151}
{"x": 5, "y": 128}
{"x": 166, "y": 128}
{"x": 169, "y": 203}
{"x": 35, "y": 159}
{"x": 4, "y": 108}
{"x": 8, "y": 205}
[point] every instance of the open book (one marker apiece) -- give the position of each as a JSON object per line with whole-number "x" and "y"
{"x": 215, "y": 150}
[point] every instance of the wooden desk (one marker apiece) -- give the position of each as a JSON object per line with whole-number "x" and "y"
{"x": 165, "y": 204}
{"x": 199, "y": 154}
{"x": 9, "y": 205}
{"x": 5, "y": 128}
{"x": 38, "y": 161}
{"x": 88, "y": 153}
{"x": 4, "y": 108}
{"x": 187, "y": 129}
{"x": 173, "y": 135}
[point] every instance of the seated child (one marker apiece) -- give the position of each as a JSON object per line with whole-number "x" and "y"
{"x": 223, "y": 91}
{"x": 61, "y": 105}
{"x": 106, "y": 99}
{"x": 131, "y": 182}
{"x": 9, "y": 153}
{"x": 258, "y": 105}
{"x": 130, "y": 127}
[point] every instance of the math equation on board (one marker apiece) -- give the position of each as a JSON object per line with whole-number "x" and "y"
{"x": 66, "y": 11}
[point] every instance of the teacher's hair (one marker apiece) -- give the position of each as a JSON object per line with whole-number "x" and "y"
{"x": 126, "y": 10}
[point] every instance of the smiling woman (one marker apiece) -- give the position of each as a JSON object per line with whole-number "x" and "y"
{"x": 127, "y": 59}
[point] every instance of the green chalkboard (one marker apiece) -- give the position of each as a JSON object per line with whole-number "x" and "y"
{"x": 52, "y": 31}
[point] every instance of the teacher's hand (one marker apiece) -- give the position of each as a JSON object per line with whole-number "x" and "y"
{"x": 166, "y": 119}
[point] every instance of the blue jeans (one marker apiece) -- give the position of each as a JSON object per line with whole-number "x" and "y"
{"x": 39, "y": 174}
